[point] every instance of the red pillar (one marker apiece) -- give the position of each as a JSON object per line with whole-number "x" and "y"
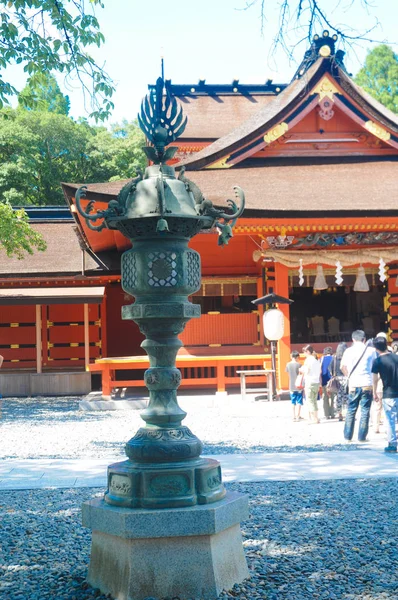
{"x": 260, "y": 308}
{"x": 283, "y": 356}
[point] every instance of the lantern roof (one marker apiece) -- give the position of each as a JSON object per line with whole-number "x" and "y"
{"x": 272, "y": 299}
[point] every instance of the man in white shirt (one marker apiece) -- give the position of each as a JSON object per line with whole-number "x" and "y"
{"x": 360, "y": 381}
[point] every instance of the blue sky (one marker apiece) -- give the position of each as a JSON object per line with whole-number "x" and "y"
{"x": 210, "y": 39}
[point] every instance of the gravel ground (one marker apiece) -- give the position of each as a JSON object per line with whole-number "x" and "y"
{"x": 56, "y": 428}
{"x": 304, "y": 540}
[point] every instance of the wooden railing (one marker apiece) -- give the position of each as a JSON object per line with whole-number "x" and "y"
{"x": 197, "y": 371}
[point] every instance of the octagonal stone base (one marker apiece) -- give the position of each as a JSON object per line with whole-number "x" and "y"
{"x": 167, "y": 485}
{"x": 193, "y": 552}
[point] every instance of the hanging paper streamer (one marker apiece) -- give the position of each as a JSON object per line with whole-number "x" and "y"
{"x": 382, "y": 273}
{"x": 301, "y": 273}
{"x": 339, "y": 272}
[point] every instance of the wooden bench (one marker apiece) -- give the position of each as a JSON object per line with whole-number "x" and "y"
{"x": 264, "y": 372}
{"x": 198, "y": 371}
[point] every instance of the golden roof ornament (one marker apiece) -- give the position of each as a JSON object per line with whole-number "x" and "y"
{"x": 322, "y": 46}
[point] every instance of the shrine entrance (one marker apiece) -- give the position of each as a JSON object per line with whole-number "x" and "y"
{"x": 329, "y": 316}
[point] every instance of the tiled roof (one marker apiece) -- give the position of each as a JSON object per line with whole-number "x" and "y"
{"x": 62, "y": 257}
{"x": 211, "y": 117}
{"x": 331, "y": 186}
{"x": 109, "y": 188}
{"x": 345, "y": 185}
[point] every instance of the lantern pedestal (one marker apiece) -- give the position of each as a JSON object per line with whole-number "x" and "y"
{"x": 192, "y": 552}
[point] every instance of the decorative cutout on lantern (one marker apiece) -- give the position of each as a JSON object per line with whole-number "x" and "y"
{"x": 361, "y": 283}
{"x": 301, "y": 273}
{"x": 320, "y": 281}
{"x": 273, "y": 324}
{"x": 382, "y": 272}
{"x": 339, "y": 272}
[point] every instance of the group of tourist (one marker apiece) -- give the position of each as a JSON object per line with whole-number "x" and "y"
{"x": 350, "y": 378}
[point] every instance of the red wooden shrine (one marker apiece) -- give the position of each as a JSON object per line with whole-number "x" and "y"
{"x": 317, "y": 159}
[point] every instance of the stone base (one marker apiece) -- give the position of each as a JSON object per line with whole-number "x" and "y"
{"x": 193, "y": 552}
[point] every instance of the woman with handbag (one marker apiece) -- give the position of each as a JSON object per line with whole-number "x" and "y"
{"x": 337, "y": 384}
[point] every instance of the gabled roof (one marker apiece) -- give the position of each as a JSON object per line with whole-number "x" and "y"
{"x": 318, "y": 76}
{"x": 357, "y": 181}
{"x": 251, "y": 130}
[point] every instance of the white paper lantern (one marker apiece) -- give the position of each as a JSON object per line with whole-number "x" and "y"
{"x": 361, "y": 283}
{"x": 273, "y": 324}
{"x": 320, "y": 281}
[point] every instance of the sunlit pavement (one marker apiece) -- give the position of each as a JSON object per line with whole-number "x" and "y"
{"x": 324, "y": 461}
{"x": 359, "y": 464}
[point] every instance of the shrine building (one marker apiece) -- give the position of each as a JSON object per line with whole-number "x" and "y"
{"x": 317, "y": 160}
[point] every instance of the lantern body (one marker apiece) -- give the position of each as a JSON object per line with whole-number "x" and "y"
{"x": 273, "y": 324}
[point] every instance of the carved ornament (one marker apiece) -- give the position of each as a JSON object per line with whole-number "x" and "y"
{"x": 325, "y": 88}
{"x": 276, "y": 132}
{"x": 220, "y": 164}
{"x": 326, "y": 111}
{"x": 378, "y": 130}
{"x": 325, "y": 51}
{"x": 353, "y": 238}
{"x": 120, "y": 484}
{"x": 386, "y": 302}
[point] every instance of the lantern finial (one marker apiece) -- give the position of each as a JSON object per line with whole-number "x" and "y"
{"x": 162, "y": 121}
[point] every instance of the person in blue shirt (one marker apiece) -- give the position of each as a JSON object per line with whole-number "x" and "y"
{"x": 328, "y": 400}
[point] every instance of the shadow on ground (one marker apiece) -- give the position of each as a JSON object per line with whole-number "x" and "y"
{"x": 44, "y": 409}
